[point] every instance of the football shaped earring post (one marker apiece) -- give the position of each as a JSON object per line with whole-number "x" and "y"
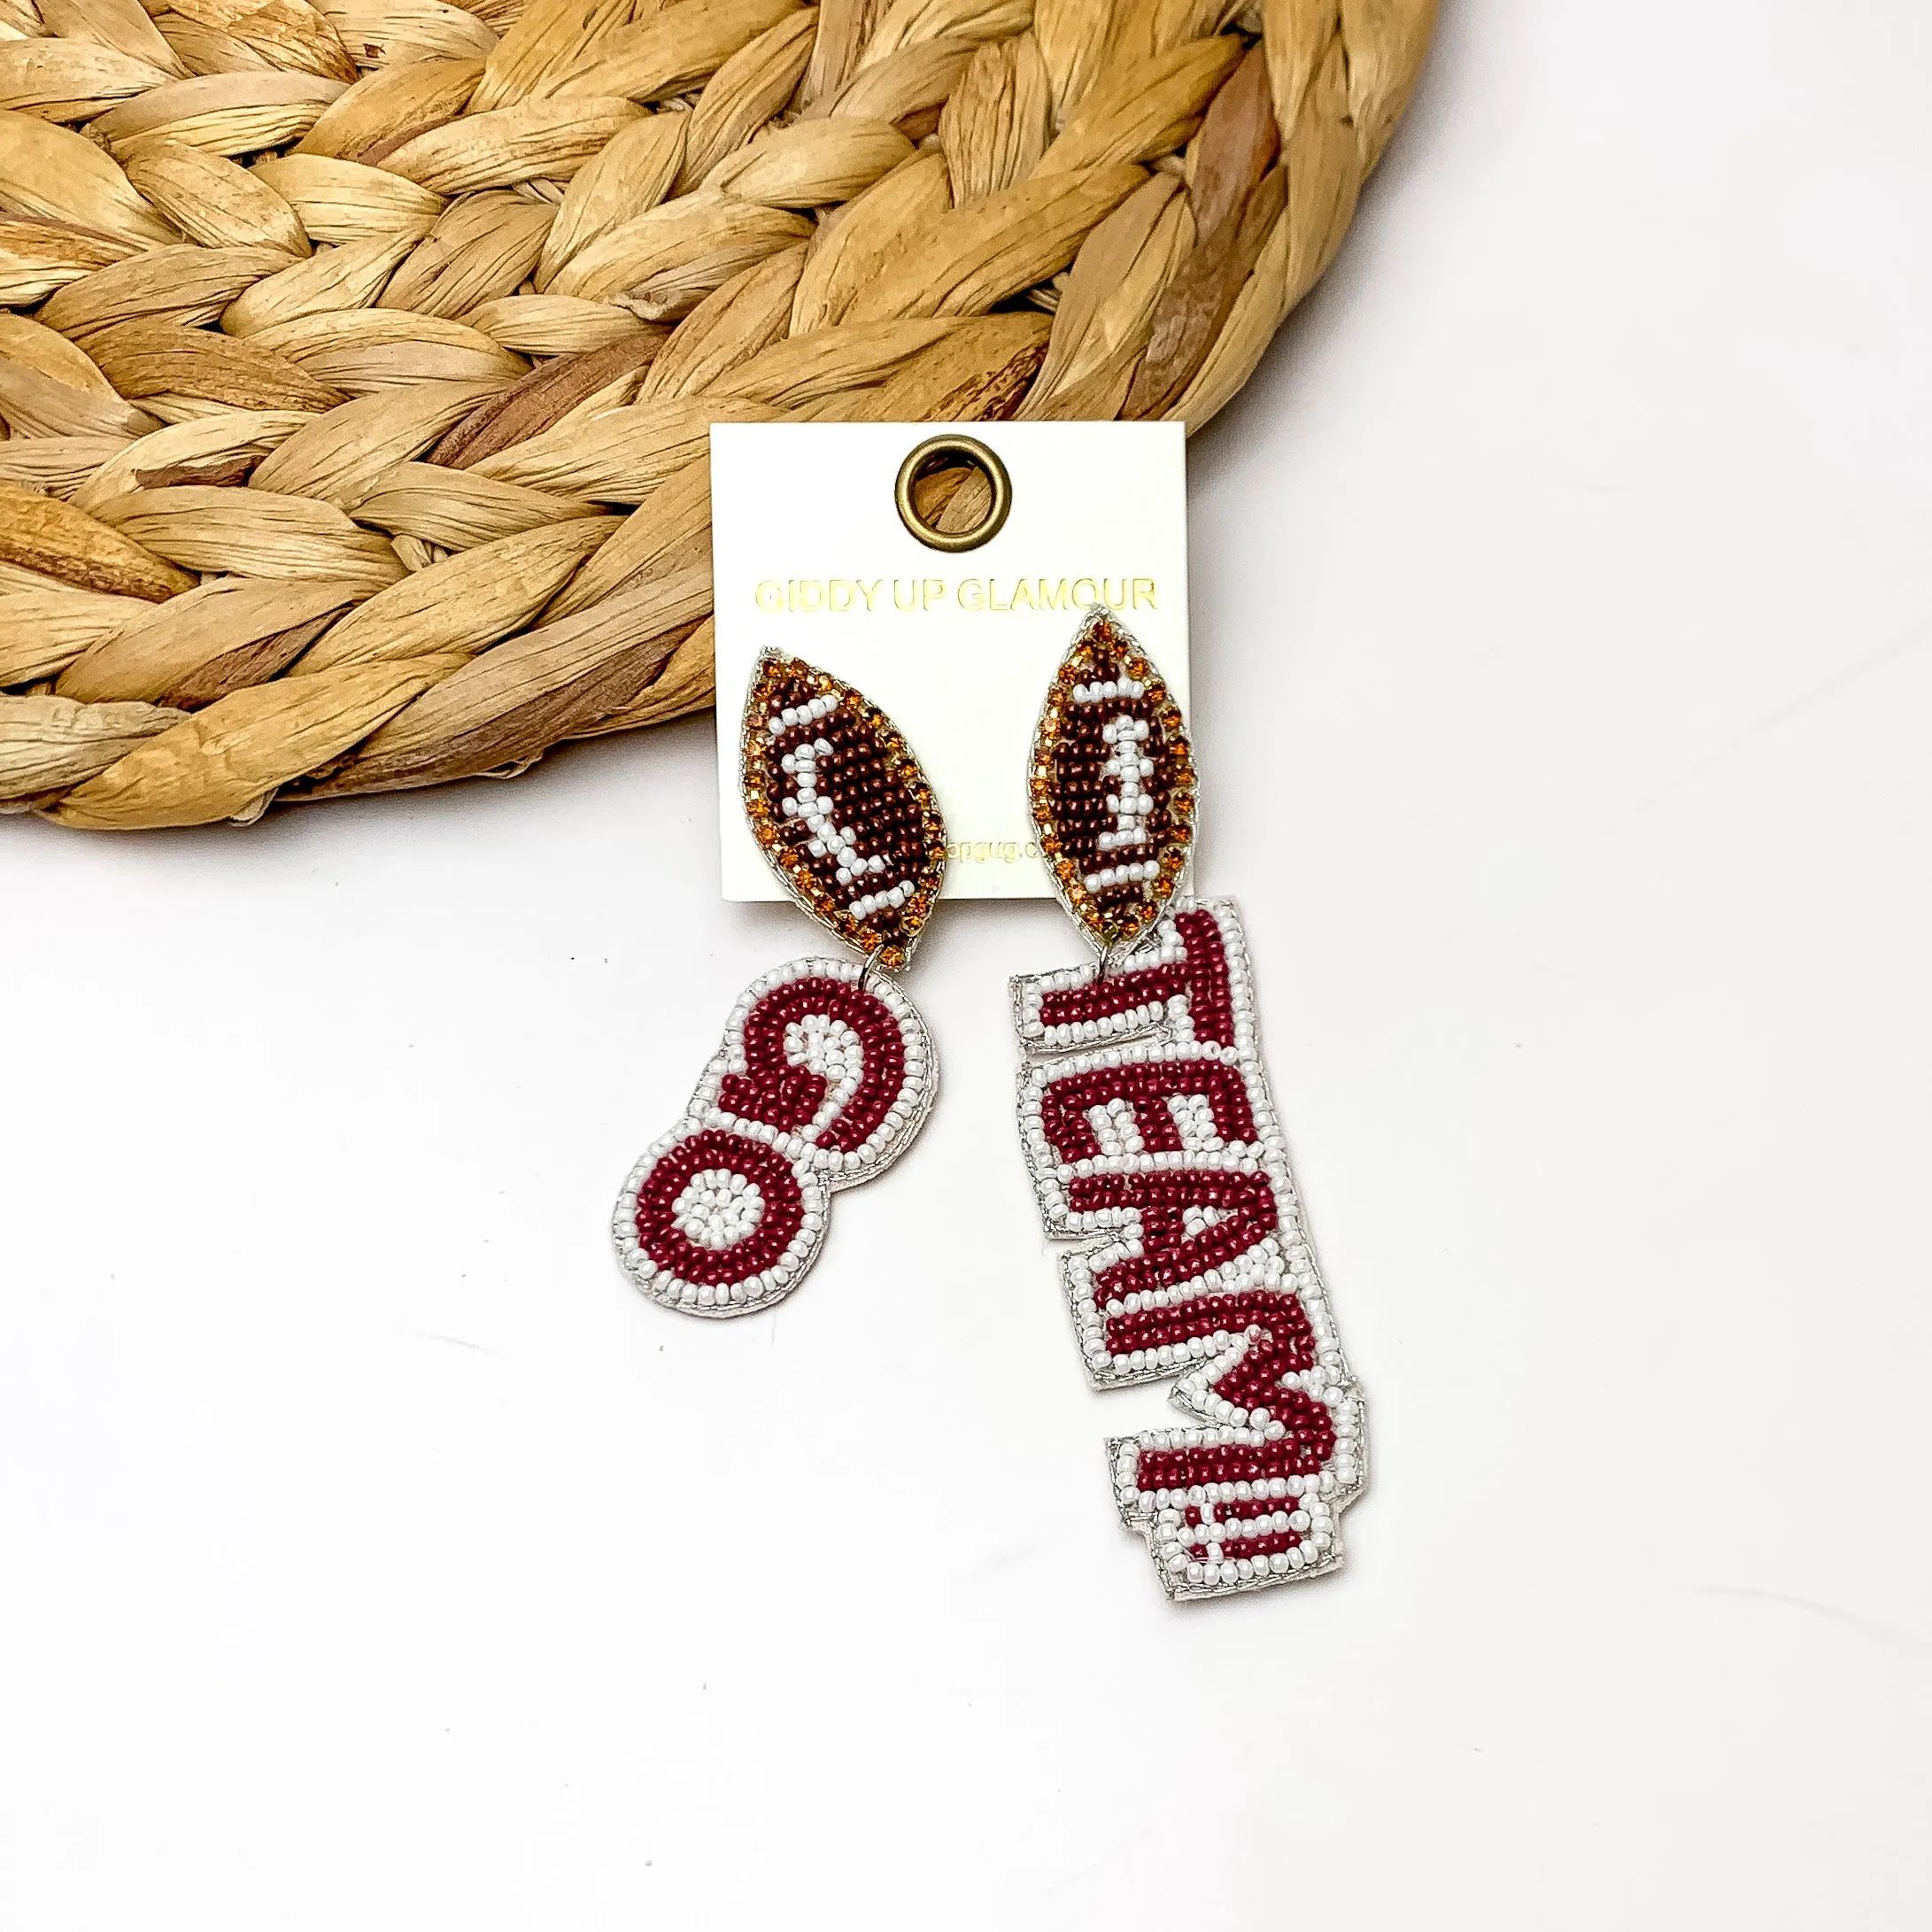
{"x": 1157, "y": 1157}
{"x": 826, "y": 1071}
{"x": 840, "y": 808}
{"x": 1111, "y": 786}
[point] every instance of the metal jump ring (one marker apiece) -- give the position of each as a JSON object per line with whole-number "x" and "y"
{"x": 970, "y": 449}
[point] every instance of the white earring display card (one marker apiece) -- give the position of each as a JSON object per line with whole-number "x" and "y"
{"x": 811, "y": 556}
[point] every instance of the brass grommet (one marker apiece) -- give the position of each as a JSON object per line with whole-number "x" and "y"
{"x": 930, "y": 455}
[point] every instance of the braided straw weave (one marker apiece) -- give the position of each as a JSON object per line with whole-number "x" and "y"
{"x": 356, "y": 357}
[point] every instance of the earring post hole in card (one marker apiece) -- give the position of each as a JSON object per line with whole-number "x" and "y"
{"x": 957, "y": 644}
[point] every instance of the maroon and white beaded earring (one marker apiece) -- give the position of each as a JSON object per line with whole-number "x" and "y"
{"x": 1154, "y": 1144}
{"x": 826, "y": 1071}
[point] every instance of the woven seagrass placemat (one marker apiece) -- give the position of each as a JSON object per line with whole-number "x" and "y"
{"x": 357, "y": 358}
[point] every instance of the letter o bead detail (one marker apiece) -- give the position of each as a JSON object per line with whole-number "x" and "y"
{"x": 719, "y": 1223}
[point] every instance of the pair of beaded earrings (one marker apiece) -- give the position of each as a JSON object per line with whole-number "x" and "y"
{"x": 1144, "y": 1107}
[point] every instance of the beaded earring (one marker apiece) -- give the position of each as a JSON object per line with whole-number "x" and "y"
{"x": 1153, "y": 1142}
{"x": 826, "y": 1071}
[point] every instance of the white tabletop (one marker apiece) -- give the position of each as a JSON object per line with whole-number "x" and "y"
{"x": 376, "y": 1557}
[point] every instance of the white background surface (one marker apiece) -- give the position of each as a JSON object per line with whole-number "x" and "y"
{"x": 374, "y": 1555}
